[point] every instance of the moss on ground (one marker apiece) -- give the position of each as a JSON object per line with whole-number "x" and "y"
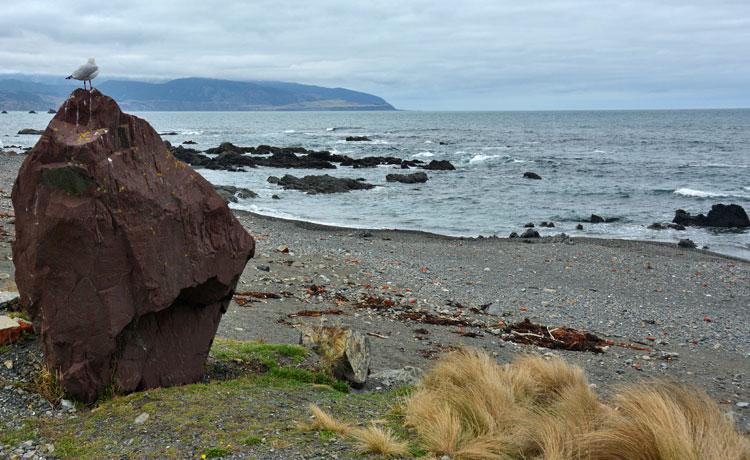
{"x": 250, "y": 415}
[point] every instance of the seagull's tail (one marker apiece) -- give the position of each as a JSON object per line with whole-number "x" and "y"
{"x": 69, "y": 77}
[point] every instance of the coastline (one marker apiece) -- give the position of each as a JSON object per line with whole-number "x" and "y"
{"x": 622, "y": 242}
{"x": 680, "y": 311}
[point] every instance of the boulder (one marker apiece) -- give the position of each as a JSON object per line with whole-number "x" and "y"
{"x": 531, "y": 175}
{"x": 51, "y": 111}
{"x": 4, "y": 111}
{"x": 439, "y": 165}
{"x": 530, "y": 233}
{"x": 344, "y": 353}
{"x": 319, "y": 184}
{"x": 720, "y": 215}
{"x": 125, "y": 258}
{"x": 12, "y": 328}
{"x": 394, "y": 378}
{"x": 32, "y": 112}
{"x": 579, "y": 227}
{"x": 686, "y": 243}
{"x": 529, "y": 225}
{"x": 357, "y": 139}
{"x": 189, "y": 142}
{"x": 416, "y": 178}
{"x": 233, "y": 194}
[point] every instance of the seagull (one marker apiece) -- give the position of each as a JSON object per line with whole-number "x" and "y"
{"x": 86, "y": 72}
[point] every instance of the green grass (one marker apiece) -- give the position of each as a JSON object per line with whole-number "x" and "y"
{"x": 19, "y": 315}
{"x": 217, "y": 419}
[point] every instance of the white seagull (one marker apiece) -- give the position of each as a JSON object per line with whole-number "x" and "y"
{"x": 86, "y": 72}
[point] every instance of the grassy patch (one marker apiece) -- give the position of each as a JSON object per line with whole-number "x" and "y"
{"x": 269, "y": 354}
{"x": 253, "y": 413}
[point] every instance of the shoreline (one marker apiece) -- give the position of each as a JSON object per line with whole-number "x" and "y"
{"x": 312, "y": 225}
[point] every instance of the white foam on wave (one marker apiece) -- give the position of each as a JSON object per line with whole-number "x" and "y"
{"x": 423, "y": 155}
{"x": 192, "y": 133}
{"x": 289, "y": 131}
{"x": 428, "y": 142}
{"x": 480, "y": 158}
{"x": 600, "y": 151}
{"x": 709, "y": 194}
{"x": 330, "y": 129}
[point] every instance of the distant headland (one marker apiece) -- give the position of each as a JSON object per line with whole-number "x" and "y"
{"x": 191, "y": 94}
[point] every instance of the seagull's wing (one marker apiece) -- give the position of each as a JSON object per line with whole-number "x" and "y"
{"x": 94, "y": 74}
{"x": 85, "y": 71}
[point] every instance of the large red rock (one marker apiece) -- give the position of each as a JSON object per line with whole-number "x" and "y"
{"x": 125, "y": 257}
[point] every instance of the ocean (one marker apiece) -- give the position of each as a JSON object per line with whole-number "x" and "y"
{"x": 638, "y": 166}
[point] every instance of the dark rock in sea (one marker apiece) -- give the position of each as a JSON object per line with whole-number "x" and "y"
{"x": 686, "y": 243}
{"x": 513, "y": 235}
{"x": 169, "y": 133}
{"x": 4, "y": 111}
{"x": 319, "y": 184}
{"x": 34, "y": 132}
{"x": 234, "y": 194}
{"x": 547, "y": 225}
{"x": 720, "y": 215}
{"x": 275, "y": 197}
{"x": 530, "y": 233}
{"x": 579, "y": 227}
{"x": 31, "y": 111}
{"x": 595, "y": 219}
{"x": 439, "y": 165}
{"x": 416, "y": 178}
{"x": 529, "y": 225}
{"x": 291, "y": 160}
{"x": 531, "y": 175}
{"x": 357, "y": 139}
{"x": 125, "y": 258}
{"x": 677, "y": 227}
{"x": 656, "y": 226}
{"x": 443, "y": 143}
{"x": 189, "y": 142}
{"x": 190, "y": 156}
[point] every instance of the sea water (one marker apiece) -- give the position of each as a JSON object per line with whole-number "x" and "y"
{"x": 638, "y": 166}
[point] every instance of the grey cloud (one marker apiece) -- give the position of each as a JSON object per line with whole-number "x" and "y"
{"x": 417, "y": 54}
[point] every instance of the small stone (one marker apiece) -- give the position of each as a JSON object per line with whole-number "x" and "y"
{"x": 263, "y": 268}
{"x": 66, "y": 404}
{"x": 743, "y": 405}
{"x": 8, "y": 363}
{"x": 141, "y": 419}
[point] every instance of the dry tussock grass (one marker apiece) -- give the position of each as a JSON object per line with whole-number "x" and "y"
{"x": 324, "y": 421}
{"x": 379, "y": 440}
{"x": 471, "y": 408}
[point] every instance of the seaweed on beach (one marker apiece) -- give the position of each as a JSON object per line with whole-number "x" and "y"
{"x": 316, "y": 313}
{"x": 559, "y": 338}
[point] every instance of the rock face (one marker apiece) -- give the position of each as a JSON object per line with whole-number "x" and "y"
{"x": 125, "y": 257}
{"x": 416, "y": 178}
{"x": 319, "y": 184}
{"x": 720, "y": 215}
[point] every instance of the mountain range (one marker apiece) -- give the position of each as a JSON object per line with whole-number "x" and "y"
{"x": 20, "y": 92}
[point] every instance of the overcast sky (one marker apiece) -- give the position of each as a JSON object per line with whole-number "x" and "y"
{"x": 417, "y": 54}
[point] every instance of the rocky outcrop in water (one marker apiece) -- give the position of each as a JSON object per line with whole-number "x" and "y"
{"x": 357, "y": 139}
{"x": 230, "y": 157}
{"x": 319, "y": 184}
{"x": 720, "y": 215}
{"x": 415, "y": 178}
{"x": 233, "y": 194}
{"x": 596, "y": 219}
{"x": 125, "y": 258}
{"x": 531, "y": 175}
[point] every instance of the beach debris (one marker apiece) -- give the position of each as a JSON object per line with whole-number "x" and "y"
{"x": 429, "y": 318}
{"x": 98, "y": 164}
{"x": 316, "y": 313}
{"x": 315, "y": 290}
{"x": 284, "y": 249}
{"x": 243, "y": 298}
{"x": 376, "y": 303}
{"x": 344, "y": 353}
{"x": 561, "y": 338}
{"x": 380, "y": 336}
